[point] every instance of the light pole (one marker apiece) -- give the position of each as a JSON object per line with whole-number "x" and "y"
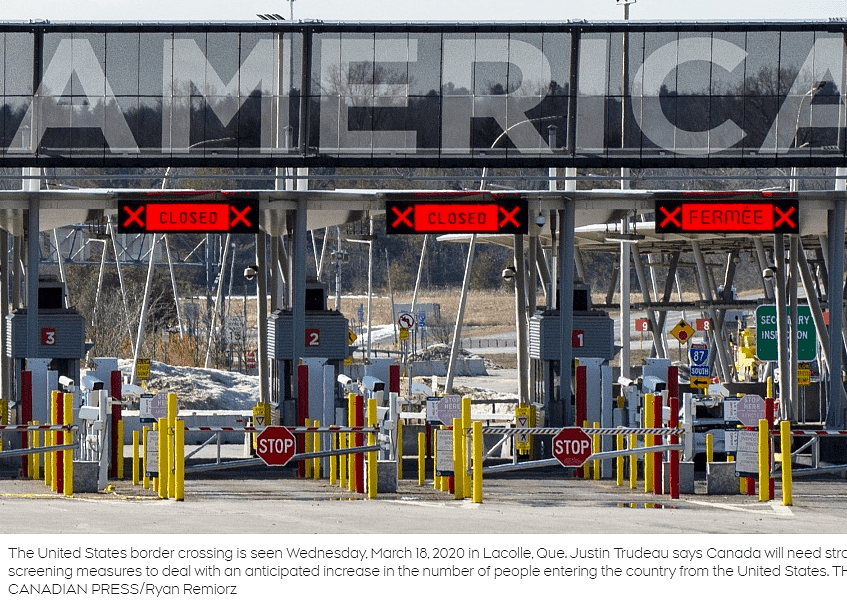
{"x": 521, "y": 314}
{"x": 787, "y": 357}
{"x": 625, "y": 248}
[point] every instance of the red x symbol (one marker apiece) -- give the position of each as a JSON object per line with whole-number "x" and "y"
{"x": 133, "y": 216}
{"x": 784, "y": 217}
{"x": 670, "y": 217}
{"x": 240, "y": 216}
{"x": 510, "y": 216}
{"x": 402, "y": 217}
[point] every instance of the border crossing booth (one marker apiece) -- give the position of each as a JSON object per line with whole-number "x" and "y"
{"x": 593, "y": 343}
{"x": 325, "y": 338}
{"x": 60, "y": 347}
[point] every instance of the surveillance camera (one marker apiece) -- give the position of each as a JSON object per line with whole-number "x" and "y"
{"x": 768, "y": 273}
{"x": 540, "y": 220}
{"x": 250, "y": 271}
{"x": 66, "y": 382}
{"x": 508, "y": 274}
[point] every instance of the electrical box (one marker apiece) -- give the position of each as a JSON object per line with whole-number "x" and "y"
{"x": 325, "y": 335}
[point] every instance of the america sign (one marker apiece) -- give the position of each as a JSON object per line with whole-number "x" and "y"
{"x": 439, "y": 95}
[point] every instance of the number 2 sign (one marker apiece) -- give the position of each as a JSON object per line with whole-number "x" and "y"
{"x": 313, "y": 337}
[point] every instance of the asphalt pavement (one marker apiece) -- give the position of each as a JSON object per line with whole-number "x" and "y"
{"x": 264, "y": 500}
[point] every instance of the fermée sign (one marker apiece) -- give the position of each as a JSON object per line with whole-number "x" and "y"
{"x": 733, "y": 214}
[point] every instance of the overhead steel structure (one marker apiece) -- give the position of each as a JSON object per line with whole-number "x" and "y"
{"x": 366, "y": 95}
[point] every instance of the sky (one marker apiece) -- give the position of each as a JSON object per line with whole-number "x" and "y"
{"x": 429, "y": 10}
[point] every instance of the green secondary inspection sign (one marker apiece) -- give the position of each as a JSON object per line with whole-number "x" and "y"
{"x": 766, "y": 338}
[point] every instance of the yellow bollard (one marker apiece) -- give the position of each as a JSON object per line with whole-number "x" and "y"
{"x": 68, "y": 462}
{"x": 458, "y": 460}
{"x": 785, "y": 449}
{"x": 764, "y": 461}
{"x": 135, "y": 457}
{"x": 54, "y": 457}
{"x": 170, "y": 489}
{"x": 351, "y": 442}
{"x": 373, "y": 474}
{"x": 620, "y": 460}
{"x": 342, "y": 460}
{"x": 316, "y": 448}
{"x": 421, "y": 458}
{"x": 34, "y": 463}
{"x": 633, "y": 462}
{"x": 466, "y": 426}
{"x": 28, "y": 433}
{"x": 120, "y": 466}
{"x": 308, "y": 463}
{"x": 145, "y": 477}
{"x": 333, "y": 463}
{"x": 4, "y": 412}
{"x": 436, "y": 481}
{"x": 154, "y": 450}
{"x": 399, "y": 449}
{"x": 648, "y": 457}
{"x": 163, "y": 458}
{"x": 595, "y": 448}
{"x": 48, "y": 465}
{"x": 477, "y": 461}
{"x": 179, "y": 460}
{"x": 769, "y": 385}
{"x": 710, "y": 448}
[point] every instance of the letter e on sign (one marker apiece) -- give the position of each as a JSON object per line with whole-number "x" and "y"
{"x": 48, "y": 336}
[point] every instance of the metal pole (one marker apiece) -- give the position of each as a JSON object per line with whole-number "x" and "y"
{"x": 173, "y": 285}
{"x": 567, "y": 219}
{"x": 835, "y": 410}
{"x": 793, "y": 341}
{"x": 145, "y": 303}
{"x": 60, "y": 261}
{"x": 460, "y": 316}
{"x": 112, "y": 235}
{"x": 782, "y": 326}
{"x": 338, "y": 272}
{"x": 370, "y": 280}
{"x": 625, "y": 314}
{"x": 5, "y": 361}
{"x": 706, "y": 286}
{"x": 218, "y": 296}
{"x": 298, "y": 278}
{"x": 262, "y": 317}
{"x": 520, "y": 320}
{"x": 420, "y": 275}
{"x": 33, "y": 259}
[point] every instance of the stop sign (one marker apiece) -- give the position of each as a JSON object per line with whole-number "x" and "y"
{"x": 571, "y": 446}
{"x": 276, "y": 445}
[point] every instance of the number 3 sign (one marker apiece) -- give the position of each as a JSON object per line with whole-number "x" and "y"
{"x": 48, "y": 336}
